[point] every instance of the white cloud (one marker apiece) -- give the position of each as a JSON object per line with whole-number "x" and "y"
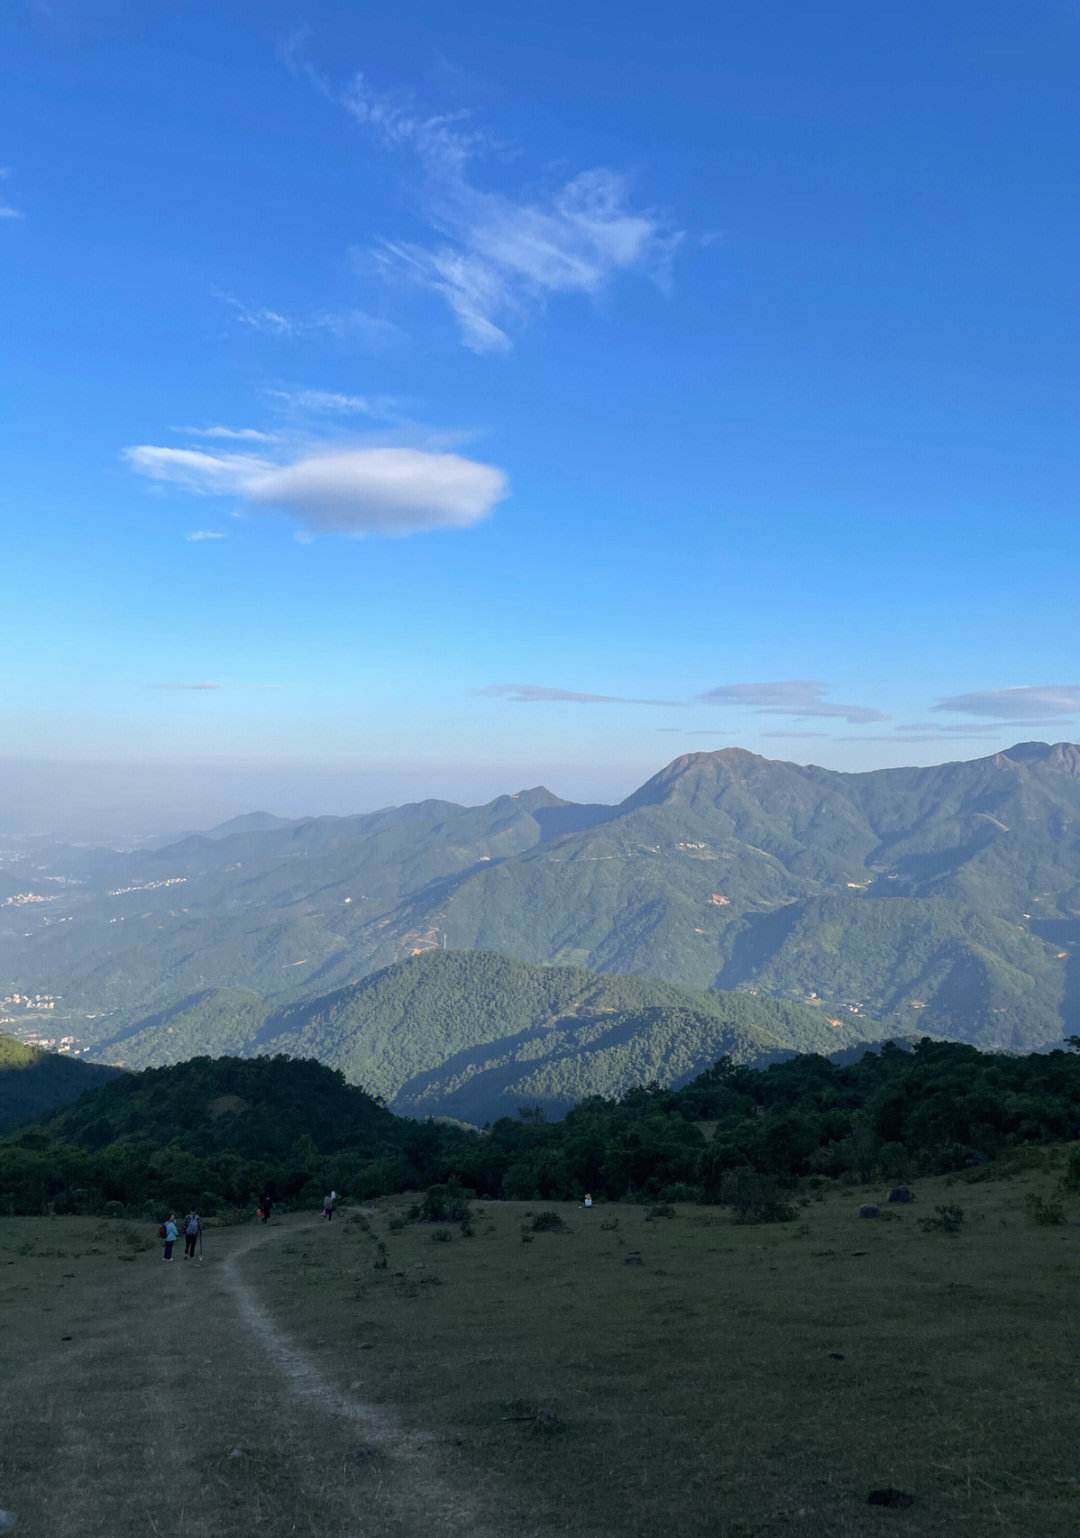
{"x": 348, "y": 325}
{"x": 335, "y": 403}
{"x": 800, "y": 697}
{"x": 199, "y": 688}
{"x": 205, "y": 475}
{"x": 497, "y": 258}
{"x": 233, "y": 434}
{"x": 1031, "y": 702}
{"x": 197, "y": 536}
{"x": 531, "y": 694}
{"x": 392, "y": 491}
{"x": 6, "y": 210}
{"x": 258, "y": 317}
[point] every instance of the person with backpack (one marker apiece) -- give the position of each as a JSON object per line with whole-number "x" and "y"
{"x": 192, "y": 1233}
{"x": 169, "y": 1233}
{"x": 329, "y": 1202}
{"x": 265, "y": 1204}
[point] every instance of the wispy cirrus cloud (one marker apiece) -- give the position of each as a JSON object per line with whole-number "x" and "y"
{"x": 356, "y": 491}
{"x": 943, "y": 728}
{"x": 228, "y": 434}
{"x": 199, "y": 536}
{"x": 786, "y": 736}
{"x": 910, "y": 737}
{"x": 335, "y": 403}
{"x": 790, "y": 697}
{"x": 198, "y": 688}
{"x": 373, "y": 332}
{"x": 532, "y": 694}
{"x": 496, "y": 258}
{"x": 1034, "y": 703}
{"x": 7, "y": 210}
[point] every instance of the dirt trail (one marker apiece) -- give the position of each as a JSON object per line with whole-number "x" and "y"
{"x": 166, "y": 1401}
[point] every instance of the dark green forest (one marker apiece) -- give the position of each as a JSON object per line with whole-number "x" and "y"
{"x": 33, "y": 1083}
{"x": 218, "y": 1132}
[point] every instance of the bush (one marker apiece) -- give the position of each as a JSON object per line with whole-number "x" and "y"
{"x": 1046, "y": 1212}
{"x": 664, "y": 1211}
{"x": 441, "y": 1236}
{"x": 548, "y": 1223}
{"x": 444, "y": 1204}
{"x": 754, "y": 1197}
{"x": 1071, "y": 1177}
{"x": 947, "y": 1219}
{"x": 682, "y": 1193}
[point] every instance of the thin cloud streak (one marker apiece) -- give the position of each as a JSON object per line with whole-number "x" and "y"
{"x": 199, "y": 536}
{"x": 229, "y": 434}
{"x": 532, "y": 694}
{"x": 800, "y": 697}
{"x": 197, "y": 688}
{"x": 1031, "y": 702}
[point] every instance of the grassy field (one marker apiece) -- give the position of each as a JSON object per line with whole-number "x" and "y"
{"x": 371, "y": 1378}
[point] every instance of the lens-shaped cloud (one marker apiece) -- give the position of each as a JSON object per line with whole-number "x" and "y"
{"x": 390, "y": 491}
{"x": 1031, "y": 702}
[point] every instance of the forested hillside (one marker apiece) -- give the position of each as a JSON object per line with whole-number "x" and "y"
{"x": 218, "y": 1133}
{"x": 34, "y": 1083}
{"x": 474, "y": 1035}
{"x": 944, "y": 899}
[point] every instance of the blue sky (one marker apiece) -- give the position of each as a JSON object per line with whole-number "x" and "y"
{"x": 554, "y": 391}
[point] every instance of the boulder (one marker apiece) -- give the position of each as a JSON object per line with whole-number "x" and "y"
{"x": 890, "y": 1497}
{"x": 900, "y": 1194}
{"x": 868, "y": 1210}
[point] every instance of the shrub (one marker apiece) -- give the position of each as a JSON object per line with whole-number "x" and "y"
{"x": 1046, "y": 1212}
{"x": 548, "y": 1223}
{"x": 1072, "y": 1170}
{"x": 441, "y": 1236}
{"x": 947, "y": 1219}
{"x": 754, "y": 1197}
{"x": 664, "y": 1211}
{"x": 681, "y": 1192}
{"x": 444, "y": 1204}
{"x": 396, "y": 1224}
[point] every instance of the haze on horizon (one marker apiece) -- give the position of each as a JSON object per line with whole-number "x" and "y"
{"x": 597, "y": 397}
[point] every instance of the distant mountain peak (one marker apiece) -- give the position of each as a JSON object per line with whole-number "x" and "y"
{"x": 1062, "y": 756}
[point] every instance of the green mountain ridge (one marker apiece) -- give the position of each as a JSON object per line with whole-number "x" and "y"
{"x": 475, "y": 1035}
{"x": 942, "y": 900}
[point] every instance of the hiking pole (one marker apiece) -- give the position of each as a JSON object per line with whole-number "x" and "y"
{"x": 200, "y": 1241}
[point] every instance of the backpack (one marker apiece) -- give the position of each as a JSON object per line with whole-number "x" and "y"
{"x": 161, "y": 1231}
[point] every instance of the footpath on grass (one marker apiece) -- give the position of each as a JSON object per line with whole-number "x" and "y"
{"x": 164, "y": 1399}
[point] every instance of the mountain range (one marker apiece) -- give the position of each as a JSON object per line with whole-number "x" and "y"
{"x": 942, "y": 900}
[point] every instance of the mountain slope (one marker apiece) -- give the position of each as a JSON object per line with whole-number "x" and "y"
{"x": 944, "y": 899}
{"x": 475, "y": 1035}
{"x": 34, "y": 1083}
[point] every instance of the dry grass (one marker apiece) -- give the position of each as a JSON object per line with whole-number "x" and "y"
{"x": 740, "y": 1382}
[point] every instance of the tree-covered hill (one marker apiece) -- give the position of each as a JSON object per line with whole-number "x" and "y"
{"x": 943, "y": 899}
{"x": 474, "y": 1035}
{"x": 218, "y": 1133}
{"x": 33, "y": 1083}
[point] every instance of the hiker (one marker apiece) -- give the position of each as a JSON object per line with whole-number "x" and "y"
{"x": 265, "y": 1204}
{"x": 328, "y": 1206}
{"x": 169, "y": 1232}
{"x": 588, "y": 1200}
{"x": 192, "y": 1231}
